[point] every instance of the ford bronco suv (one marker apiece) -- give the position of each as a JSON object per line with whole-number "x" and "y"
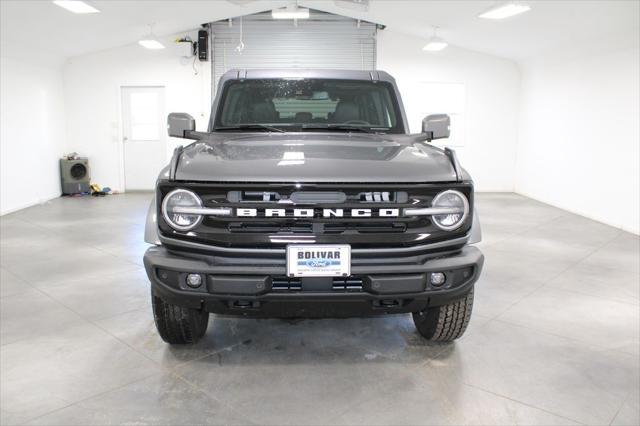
{"x": 308, "y": 197}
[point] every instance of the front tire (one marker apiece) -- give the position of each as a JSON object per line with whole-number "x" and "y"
{"x": 178, "y": 325}
{"x": 447, "y": 322}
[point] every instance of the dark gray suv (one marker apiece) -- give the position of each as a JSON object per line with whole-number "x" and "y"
{"x": 307, "y": 197}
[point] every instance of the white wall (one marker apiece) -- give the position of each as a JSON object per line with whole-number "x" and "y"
{"x": 579, "y": 133}
{"x": 491, "y": 86}
{"x": 92, "y": 88}
{"x": 32, "y": 123}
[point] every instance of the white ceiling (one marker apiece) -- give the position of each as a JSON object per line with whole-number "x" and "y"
{"x": 549, "y": 24}
{"x": 40, "y": 29}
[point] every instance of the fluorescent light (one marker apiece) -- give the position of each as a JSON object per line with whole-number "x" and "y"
{"x": 294, "y": 12}
{"x": 505, "y": 11}
{"x": 150, "y": 41}
{"x": 76, "y": 6}
{"x": 151, "y": 44}
{"x": 435, "y": 44}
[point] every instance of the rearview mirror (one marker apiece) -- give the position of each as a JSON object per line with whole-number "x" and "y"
{"x": 179, "y": 123}
{"x": 436, "y": 126}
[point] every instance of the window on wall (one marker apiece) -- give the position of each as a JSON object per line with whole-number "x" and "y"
{"x": 144, "y": 116}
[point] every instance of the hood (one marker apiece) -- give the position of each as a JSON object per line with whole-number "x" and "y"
{"x": 313, "y": 157}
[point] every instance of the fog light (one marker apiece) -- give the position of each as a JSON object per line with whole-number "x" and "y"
{"x": 437, "y": 278}
{"x": 194, "y": 280}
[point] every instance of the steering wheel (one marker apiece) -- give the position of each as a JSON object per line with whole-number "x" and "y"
{"x": 357, "y": 122}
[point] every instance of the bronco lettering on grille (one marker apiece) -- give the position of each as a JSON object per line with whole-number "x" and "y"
{"x": 244, "y": 212}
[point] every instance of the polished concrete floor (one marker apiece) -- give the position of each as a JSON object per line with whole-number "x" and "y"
{"x": 554, "y": 338}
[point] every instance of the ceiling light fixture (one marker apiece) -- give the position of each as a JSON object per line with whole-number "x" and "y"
{"x": 505, "y": 11}
{"x": 435, "y": 43}
{"x": 76, "y": 6}
{"x": 292, "y": 11}
{"x": 151, "y": 42}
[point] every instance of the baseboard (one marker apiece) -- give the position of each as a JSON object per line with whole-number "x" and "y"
{"x": 579, "y": 213}
{"x": 29, "y": 204}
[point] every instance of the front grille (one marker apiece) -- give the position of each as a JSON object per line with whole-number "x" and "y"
{"x": 283, "y": 284}
{"x": 320, "y": 228}
{"x": 374, "y": 227}
{"x": 315, "y": 197}
{"x": 262, "y": 231}
{"x": 339, "y": 284}
{"x": 271, "y": 228}
{"x": 347, "y": 284}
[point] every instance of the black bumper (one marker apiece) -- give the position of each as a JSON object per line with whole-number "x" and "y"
{"x": 263, "y": 290}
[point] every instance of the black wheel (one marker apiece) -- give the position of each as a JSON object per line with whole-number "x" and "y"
{"x": 447, "y": 322}
{"x": 179, "y": 325}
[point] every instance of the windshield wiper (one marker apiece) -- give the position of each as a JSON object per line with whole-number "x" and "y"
{"x": 249, "y": 127}
{"x": 338, "y": 127}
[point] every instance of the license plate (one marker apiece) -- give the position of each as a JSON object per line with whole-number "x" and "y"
{"x": 319, "y": 260}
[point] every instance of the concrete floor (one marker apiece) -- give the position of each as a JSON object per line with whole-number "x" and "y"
{"x": 554, "y": 338}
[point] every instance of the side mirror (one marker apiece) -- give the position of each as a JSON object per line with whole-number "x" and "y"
{"x": 179, "y": 123}
{"x": 436, "y": 126}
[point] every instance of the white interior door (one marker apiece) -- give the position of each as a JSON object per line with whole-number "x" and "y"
{"x": 144, "y": 136}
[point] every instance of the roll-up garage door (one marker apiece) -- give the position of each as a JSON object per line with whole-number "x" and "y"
{"x": 322, "y": 41}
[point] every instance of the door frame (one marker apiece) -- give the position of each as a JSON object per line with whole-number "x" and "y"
{"x": 121, "y": 154}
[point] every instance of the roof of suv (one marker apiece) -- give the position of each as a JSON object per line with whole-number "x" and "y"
{"x": 373, "y": 75}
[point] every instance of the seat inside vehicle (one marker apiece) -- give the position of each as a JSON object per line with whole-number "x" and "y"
{"x": 264, "y": 112}
{"x": 346, "y": 110}
{"x": 303, "y": 117}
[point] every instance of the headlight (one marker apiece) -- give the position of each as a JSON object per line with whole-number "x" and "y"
{"x": 457, "y": 203}
{"x": 175, "y": 208}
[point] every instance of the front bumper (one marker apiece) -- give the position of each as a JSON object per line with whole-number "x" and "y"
{"x": 264, "y": 290}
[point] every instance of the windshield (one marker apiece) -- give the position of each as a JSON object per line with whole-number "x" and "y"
{"x": 309, "y": 104}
